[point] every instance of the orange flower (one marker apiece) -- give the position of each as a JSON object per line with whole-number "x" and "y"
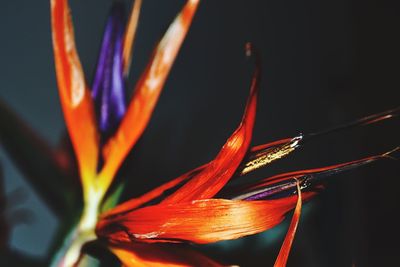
{"x": 199, "y": 210}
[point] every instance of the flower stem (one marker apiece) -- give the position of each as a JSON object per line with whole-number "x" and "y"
{"x": 70, "y": 252}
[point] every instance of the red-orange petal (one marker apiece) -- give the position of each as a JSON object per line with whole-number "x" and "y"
{"x": 287, "y": 243}
{"x": 212, "y": 179}
{"x": 158, "y": 191}
{"x": 135, "y": 203}
{"x": 75, "y": 97}
{"x": 199, "y": 221}
{"x": 146, "y": 94}
{"x": 160, "y": 255}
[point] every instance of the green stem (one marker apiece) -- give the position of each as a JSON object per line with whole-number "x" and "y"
{"x": 70, "y": 252}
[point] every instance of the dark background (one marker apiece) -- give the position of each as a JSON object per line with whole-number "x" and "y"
{"x": 324, "y": 63}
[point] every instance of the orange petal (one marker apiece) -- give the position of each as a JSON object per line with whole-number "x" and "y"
{"x": 130, "y": 35}
{"x": 210, "y": 181}
{"x": 199, "y": 221}
{"x": 287, "y": 244}
{"x": 158, "y": 191}
{"x": 146, "y": 94}
{"x": 160, "y": 255}
{"x": 75, "y": 97}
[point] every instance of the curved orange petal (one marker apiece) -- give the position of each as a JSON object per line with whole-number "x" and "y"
{"x": 160, "y": 255}
{"x": 135, "y": 203}
{"x": 75, "y": 97}
{"x": 210, "y": 181}
{"x": 146, "y": 94}
{"x": 287, "y": 243}
{"x": 158, "y": 191}
{"x": 199, "y": 221}
{"x": 130, "y": 35}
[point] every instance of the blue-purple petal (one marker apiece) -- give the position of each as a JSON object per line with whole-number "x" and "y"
{"x": 117, "y": 96}
{"x": 101, "y": 64}
{"x": 108, "y": 89}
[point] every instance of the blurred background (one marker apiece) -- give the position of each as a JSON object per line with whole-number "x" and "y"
{"x": 324, "y": 63}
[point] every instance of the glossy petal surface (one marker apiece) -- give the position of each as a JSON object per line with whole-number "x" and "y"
{"x": 200, "y": 221}
{"x": 135, "y": 203}
{"x": 75, "y": 98}
{"x": 154, "y": 255}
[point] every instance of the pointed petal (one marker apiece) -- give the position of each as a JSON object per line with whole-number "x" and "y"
{"x": 146, "y": 94}
{"x": 287, "y": 243}
{"x": 262, "y": 155}
{"x": 37, "y": 161}
{"x": 287, "y": 181}
{"x": 160, "y": 255}
{"x": 368, "y": 120}
{"x": 75, "y": 98}
{"x": 210, "y": 181}
{"x": 103, "y": 57}
{"x": 199, "y": 221}
{"x": 130, "y": 35}
{"x": 157, "y": 192}
{"x": 265, "y": 188}
{"x": 108, "y": 88}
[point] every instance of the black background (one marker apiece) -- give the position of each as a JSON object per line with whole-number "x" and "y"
{"x": 324, "y": 63}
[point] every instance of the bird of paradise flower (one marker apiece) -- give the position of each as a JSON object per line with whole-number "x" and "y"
{"x": 103, "y": 128}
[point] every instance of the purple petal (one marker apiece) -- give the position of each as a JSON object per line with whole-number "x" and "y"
{"x": 271, "y": 191}
{"x": 117, "y": 96}
{"x": 108, "y": 89}
{"x": 101, "y": 64}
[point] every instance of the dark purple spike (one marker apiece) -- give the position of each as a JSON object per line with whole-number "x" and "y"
{"x": 101, "y": 64}
{"x": 108, "y": 88}
{"x": 285, "y": 184}
{"x": 104, "y": 105}
{"x": 117, "y": 96}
